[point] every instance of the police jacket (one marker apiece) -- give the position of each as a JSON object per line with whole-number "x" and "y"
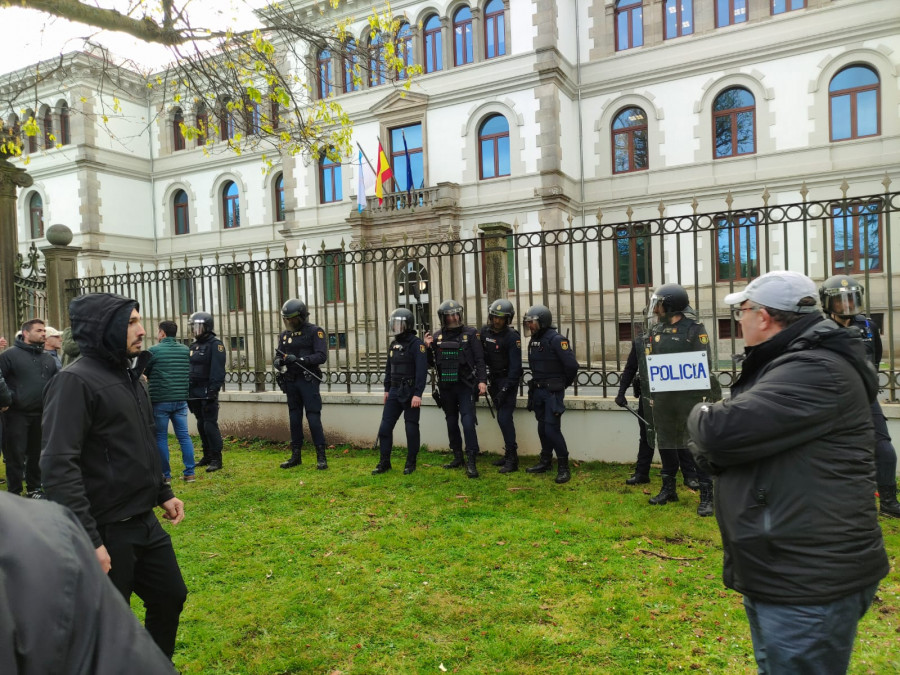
{"x": 407, "y": 364}
{"x": 168, "y": 371}
{"x": 207, "y": 366}
{"x": 552, "y": 360}
{"x": 871, "y": 337}
{"x": 458, "y": 356}
{"x": 629, "y": 373}
{"x": 503, "y": 356}
{"x": 307, "y": 344}
{"x": 793, "y": 450}
{"x": 27, "y": 369}
{"x": 99, "y": 454}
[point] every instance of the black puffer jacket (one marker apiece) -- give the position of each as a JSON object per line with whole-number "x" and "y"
{"x": 793, "y": 450}
{"x": 99, "y": 453}
{"x": 27, "y": 369}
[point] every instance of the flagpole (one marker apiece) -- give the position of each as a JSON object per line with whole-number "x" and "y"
{"x": 393, "y": 178}
{"x": 366, "y": 156}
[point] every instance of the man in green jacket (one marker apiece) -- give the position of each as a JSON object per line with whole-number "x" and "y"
{"x": 168, "y": 374}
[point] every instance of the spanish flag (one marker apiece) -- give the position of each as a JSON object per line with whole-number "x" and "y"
{"x": 383, "y": 174}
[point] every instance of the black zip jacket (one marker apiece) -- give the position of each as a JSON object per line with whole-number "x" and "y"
{"x": 27, "y": 369}
{"x": 793, "y": 451}
{"x": 99, "y": 453}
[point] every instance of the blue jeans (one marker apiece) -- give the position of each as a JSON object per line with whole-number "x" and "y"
{"x": 176, "y": 412}
{"x": 814, "y": 639}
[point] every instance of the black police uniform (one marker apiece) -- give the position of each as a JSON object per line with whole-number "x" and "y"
{"x": 459, "y": 358}
{"x": 553, "y": 369}
{"x": 207, "y": 378}
{"x": 630, "y": 379}
{"x": 503, "y": 357}
{"x": 300, "y": 385}
{"x": 405, "y": 375}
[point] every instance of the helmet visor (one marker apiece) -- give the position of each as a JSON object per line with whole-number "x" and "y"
{"x": 845, "y": 302}
{"x": 656, "y": 309}
{"x": 451, "y": 319}
{"x": 198, "y": 327}
{"x": 397, "y": 325}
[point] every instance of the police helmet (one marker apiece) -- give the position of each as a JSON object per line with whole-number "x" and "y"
{"x": 293, "y": 309}
{"x": 504, "y": 309}
{"x": 540, "y": 315}
{"x": 447, "y": 309}
{"x": 671, "y": 298}
{"x": 201, "y": 322}
{"x": 842, "y": 296}
{"x": 401, "y": 320}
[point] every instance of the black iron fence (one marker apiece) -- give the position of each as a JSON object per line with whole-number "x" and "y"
{"x": 595, "y": 279}
{"x": 31, "y": 287}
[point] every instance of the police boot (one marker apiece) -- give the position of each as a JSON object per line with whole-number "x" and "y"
{"x": 562, "y": 471}
{"x": 511, "y": 461}
{"x": 543, "y": 466}
{"x": 384, "y": 463}
{"x": 691, "y": 482}
{"x": 502, "y": 460}
{"x": 457, "y": 460}
{"x": 471, "y": 469}
{"x": 321, "y": 462}
{"x": 293, "y": 461}
{"x": 705, "y": 507}
{"x": 887, "y": 496}
{"x": 410, "y": 462}
{"x": 667, "y": 494}
{"x": 205, "y": 461}
{"x": 637, "y": 479}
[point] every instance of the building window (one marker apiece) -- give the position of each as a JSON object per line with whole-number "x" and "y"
{"x": 493, "y": 147}
{"x": 325, "y": 74}
{"x": 254, "y": 118}
{"x": 275, "y": 113}
{"x": 404, "y": 50}
{"x": 231, "y": 208}
{"x": 494, "y": 29}
{"x": 729, "y": 328}
{"x": 782, "y": 6}
{"x": 182, "y": 223}
{"x": 854, "y": 102}
{"x": 629, "y": 141}
{"x": 678, "y": 18}
{"x": 185, "y": 296}
{"x": 334, "y": 281}
{"x": 351, "y": 67}
{"x": 48, "y": 129}
{"x": 416, "y": 171}
{"x": 633, "y": 257}
{"x": 629, "y": 24}
{"x": 65, "y": 136}
{"x": 279, "y": 198}
{"x": 234, "y": 289}
{"x": 177, "y": 133}
{"x": 330, "y": 180}
{"x": 202, "y": 124}
{"x": 226, "y": 120}
{"x": 626, "y": 331}
{"x": 32, "y": 138}
{"x": 856, "y": 239}
{"x": 377, "y": 71}
{"x": 337, "y": 340}
{"x": 462, "y": 37}
{"x": 434, "y": 59}
{"x": 738, "y": 249}
{"x": 734, "y": 123}
{"x": 36, "y": 215}
{"x": 730, "y": 12}
{"x": 236, "y": 342}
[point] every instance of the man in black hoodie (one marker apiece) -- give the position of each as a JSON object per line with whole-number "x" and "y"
{"x": 99, "y": 458}
{"x": 27, "y": 368}
{"x": 792, "y": 450}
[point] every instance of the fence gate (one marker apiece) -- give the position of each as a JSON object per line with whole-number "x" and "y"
{"x": 31, "y": 287}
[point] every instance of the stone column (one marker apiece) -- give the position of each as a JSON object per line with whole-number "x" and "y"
{"x": 495, "y": 259}
{"x": 11, "y": 178}
{"x": 61, "y": 263}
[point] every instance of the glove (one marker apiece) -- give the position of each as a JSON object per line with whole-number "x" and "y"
{"x": 621, "y": 401}
{"x": 278, "y": 362}
{"x": 291, "y": 358}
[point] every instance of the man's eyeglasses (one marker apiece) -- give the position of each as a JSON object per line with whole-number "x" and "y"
{"x": 736, "y": 313}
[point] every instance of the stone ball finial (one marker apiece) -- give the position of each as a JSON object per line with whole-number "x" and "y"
{"x": 59, "y": 235}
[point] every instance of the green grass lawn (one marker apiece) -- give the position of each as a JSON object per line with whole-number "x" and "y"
{"x": 339, "y": 571}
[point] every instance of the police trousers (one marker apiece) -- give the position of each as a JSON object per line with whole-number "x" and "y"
{"x": 303, "y": 394}
{"x": 393, "y": 408}
{"x": 548, "y": 410}
{"x": 506, "y": 406}
{"x": 459, "y": 406}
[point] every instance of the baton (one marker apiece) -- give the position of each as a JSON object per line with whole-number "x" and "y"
{"x": 638, "y": 416}
{"x": 320, "y": 378}
{"x": 490, "y": 402}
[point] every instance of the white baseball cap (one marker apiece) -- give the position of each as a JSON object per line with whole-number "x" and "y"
{"x": 779, "y": 290}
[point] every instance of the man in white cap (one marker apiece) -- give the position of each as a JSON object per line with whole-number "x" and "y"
{"x": 53, "y": 345}
{"x": 792, "y": 450}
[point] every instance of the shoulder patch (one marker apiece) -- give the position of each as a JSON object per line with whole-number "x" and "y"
{"x": 422, "y": 348}
{"x": 656, "y": 338}
{"x": 704, "y": 339}
{"x": 321, "y": 334}
{"x": 221, "y": 348}
{"x": 564, "y": 344}
{"x": 519, "y": 344}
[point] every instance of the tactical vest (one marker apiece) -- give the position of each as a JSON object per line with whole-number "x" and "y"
{"x": 496, "y": 354}
{"x": 546, "y": 366}
{"x": 201, "y": 361}
{"x": 298, "y": 343}
{"x": 403, "y": 362}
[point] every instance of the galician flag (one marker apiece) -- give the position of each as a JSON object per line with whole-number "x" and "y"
{"x": 366, "y": 181}
{"x": 384, "y": 174}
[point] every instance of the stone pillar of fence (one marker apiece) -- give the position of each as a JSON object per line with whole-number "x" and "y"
{"x": 495, "y": 259}
{"x": 61, "y": 263}
{"x": 11, "y": 178}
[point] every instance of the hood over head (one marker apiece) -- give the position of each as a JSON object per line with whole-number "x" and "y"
{"x": 100, "y": 325}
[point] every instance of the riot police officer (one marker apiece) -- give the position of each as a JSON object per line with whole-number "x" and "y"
{"x": 503, "y": 356}
{"x": 842, "y": 300}
{"x": 645, "y": 447}
{"x": 674, "y": 329}
{"x": 455, "y": 349}
{"x": 553, "y": 369}
{"x": 300, "y": 352}
{"x": 405, "y": 374}
{"x": 207, "y": 378}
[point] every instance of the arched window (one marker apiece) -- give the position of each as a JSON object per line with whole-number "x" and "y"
{"x": 404, "y": 49}
{"x": 330, "y": 181}
{"x": 678, "y": 18}
{"x": 351, "y": 67}
{"x": 226, "y": 120}
{"x": 202, "y": 124}
{"x": 325, "y": 74}
{"x": 434, "y": 59}
{"x": 462, "y": 37}
{"x": 47, "y": 123}
{"x": 253, "y": 117}
{"x": 279, "y": 198}
{"x": 36, "y": 215}
{"x": 629, "y": 24}
{"x": 629, "y": 141}
{"x": 730, "y": 12}
{"x": 31, "y": 139}
{"x": 180, "y": 212}
{"x": 231, "y": 207}
{"x": 734, "y": 123}
{"x": 854, "y": 102}
{"x": 377, "y": 74}
{"x": 493, "y": 147}
{"x": 177, "y": 133}
{"x": 65, "y": 135}
{"x": 494, "y": 29}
